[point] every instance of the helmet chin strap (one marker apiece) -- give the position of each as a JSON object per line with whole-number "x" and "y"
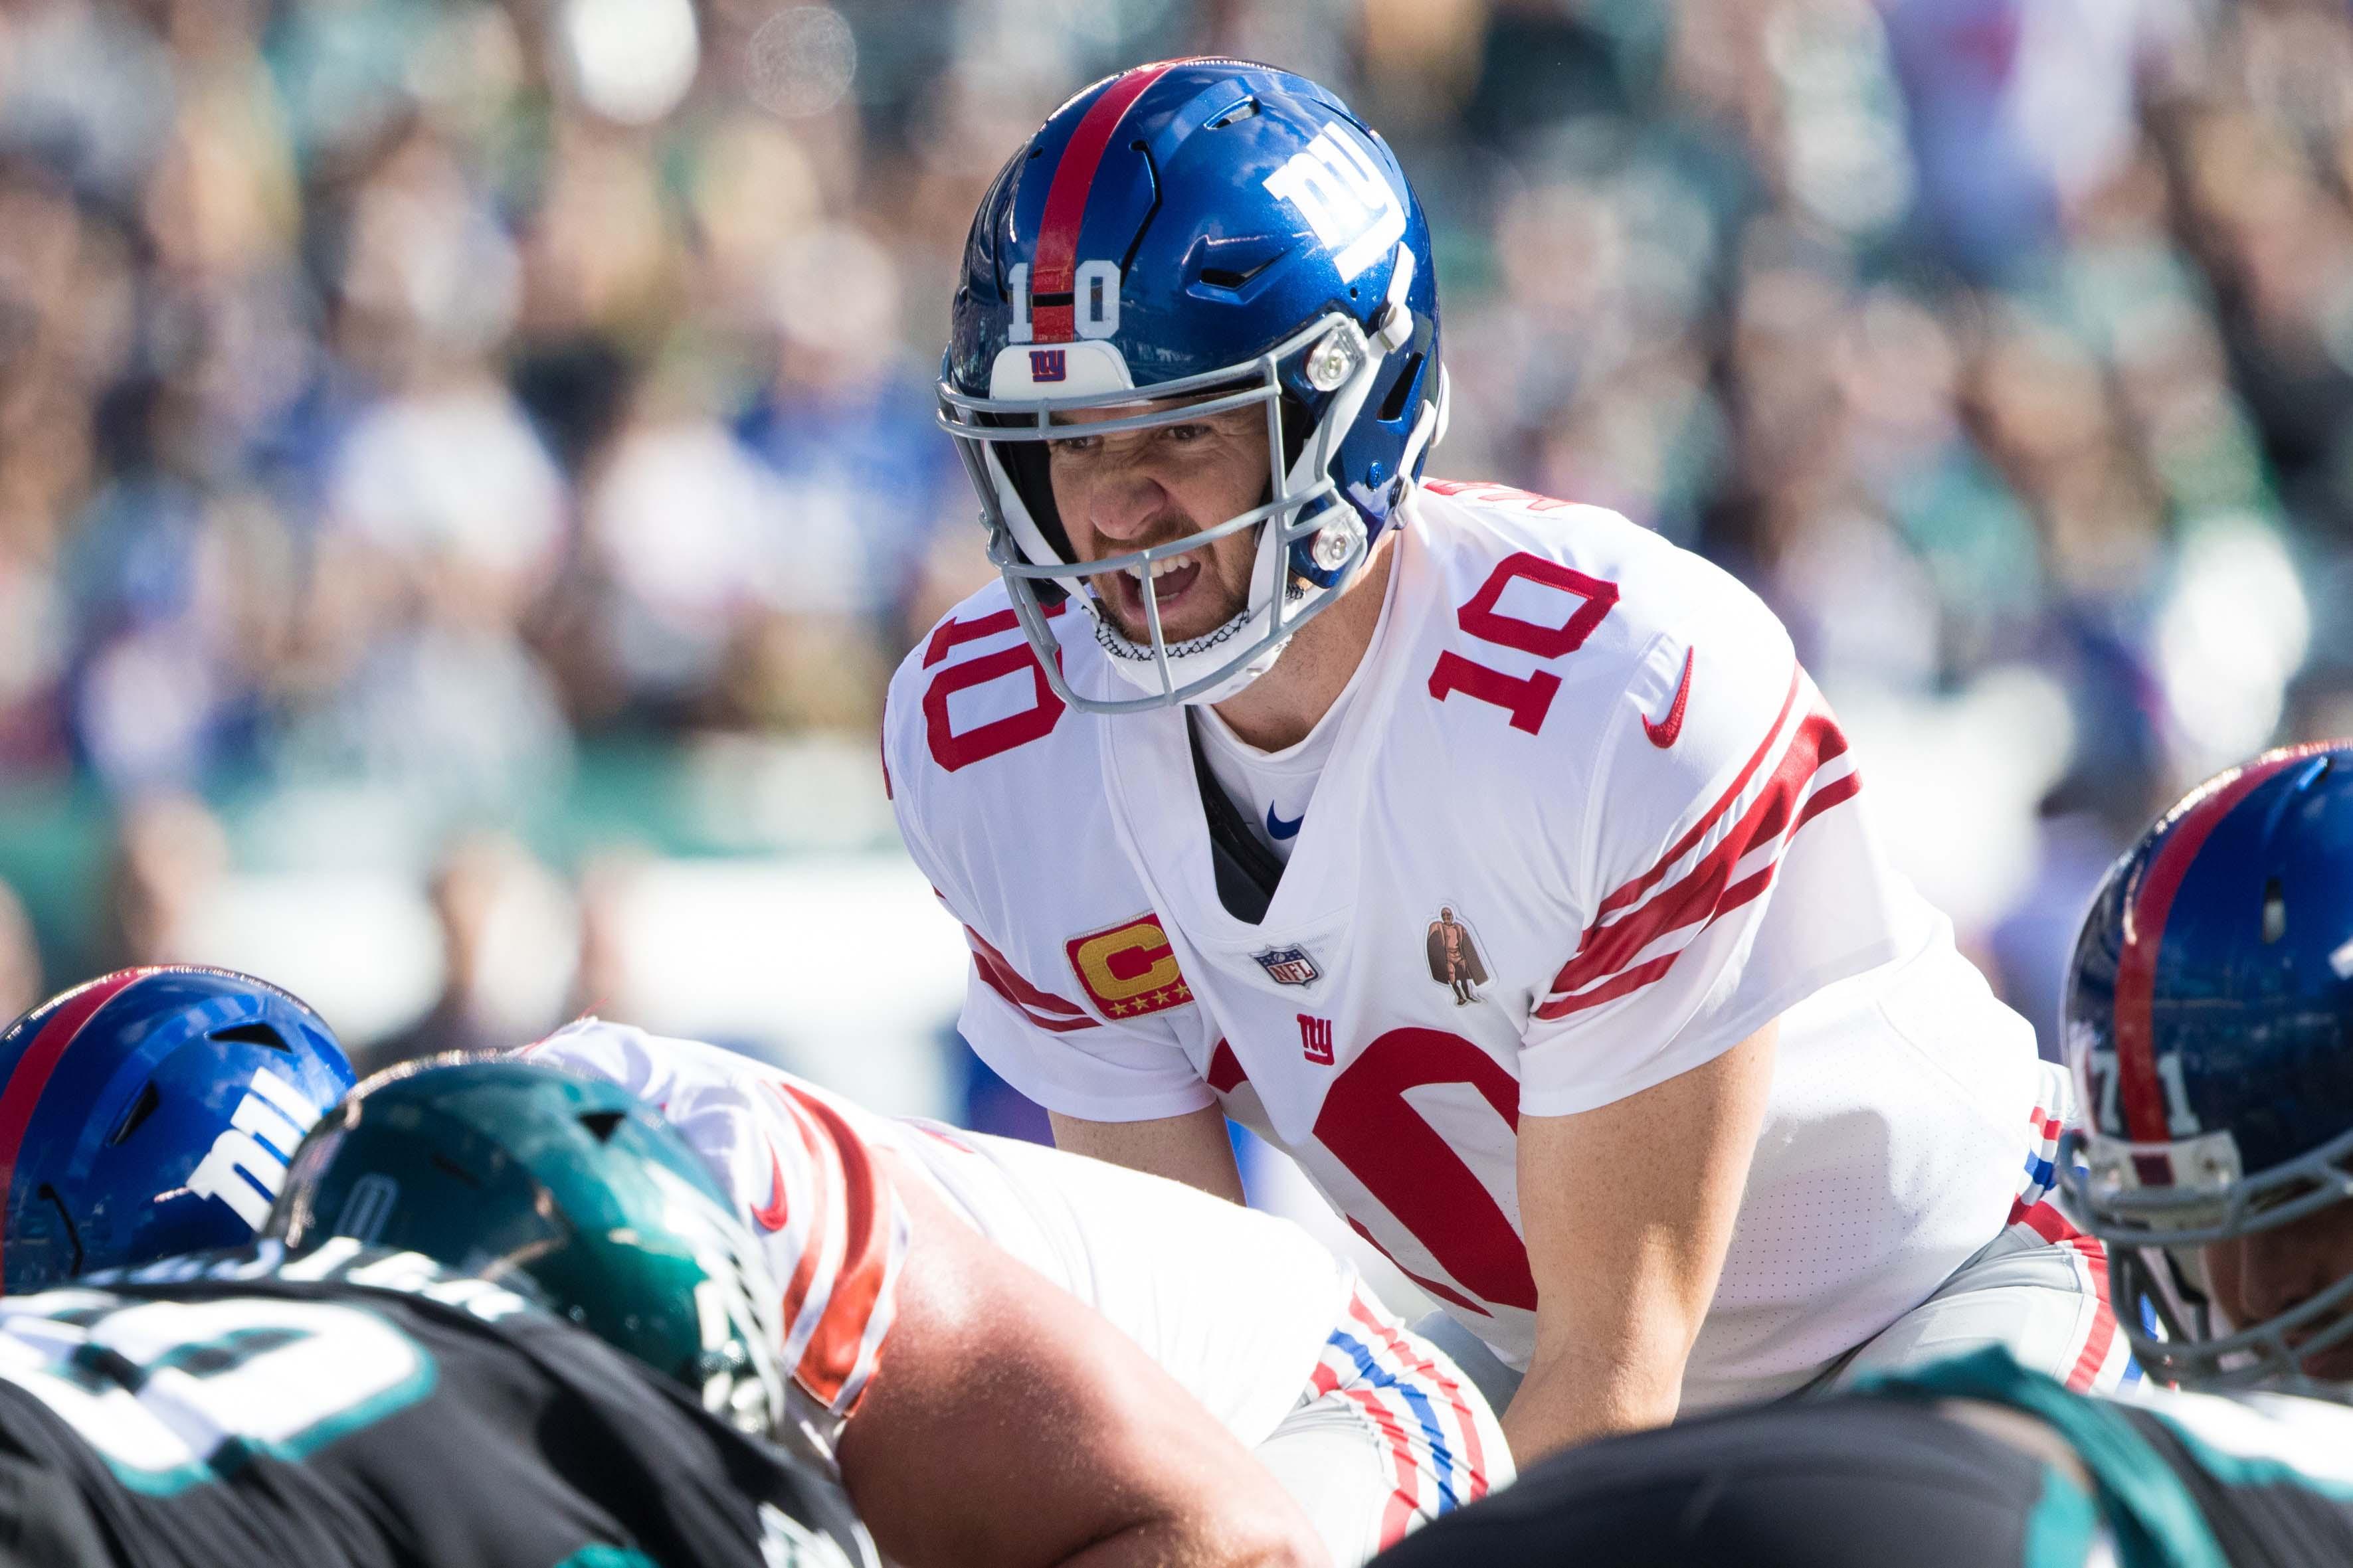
{"x": 1136, "y": 664}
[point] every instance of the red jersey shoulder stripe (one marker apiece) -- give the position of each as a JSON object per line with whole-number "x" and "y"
{"x": 1722, "y": 862}
{"x": 1632, "y": 891}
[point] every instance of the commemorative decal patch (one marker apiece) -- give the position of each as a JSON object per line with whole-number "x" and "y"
{"x": 1454, "y": 961}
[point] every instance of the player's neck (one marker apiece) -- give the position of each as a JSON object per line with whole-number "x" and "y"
{"x": 1279, "y": 709}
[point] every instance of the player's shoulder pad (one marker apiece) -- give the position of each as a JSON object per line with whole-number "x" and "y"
{"x": 1638, "y": 678}
{"x": 1580, "y": 594}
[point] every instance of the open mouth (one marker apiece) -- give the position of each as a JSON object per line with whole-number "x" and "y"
{"x": 1171, "y": 582}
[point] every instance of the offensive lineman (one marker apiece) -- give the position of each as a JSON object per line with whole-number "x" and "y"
{"x": 2209, "y": 1020}
{"x": 118, "y": 1092}
{"x": 249, "y": 1409}
{"x": 1370, "y": 1428}
{"x": 976, "y": 1417}
{"x": 1689, "y": 1101}
{"x": 151, "y": 1111}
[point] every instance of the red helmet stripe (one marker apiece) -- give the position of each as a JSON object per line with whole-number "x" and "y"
{"x": 32, "y": 1074}
{"x": 2140, "y": 1090}
{"x": 1066, "y": 199}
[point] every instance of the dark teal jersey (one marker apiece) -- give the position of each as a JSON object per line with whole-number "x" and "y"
{"x": 2184, "y": 1480}
{"x": 243, "y": 1410}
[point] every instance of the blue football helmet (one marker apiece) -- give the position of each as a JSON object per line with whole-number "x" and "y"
{"x": 2209, "y": 1027}
{"x": 1221, "y": 232}
{"x": 150, "y": 1112}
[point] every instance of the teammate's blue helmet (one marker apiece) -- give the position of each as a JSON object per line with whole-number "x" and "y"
{"x": 1205, "y": 229}
{"x": 2209, "y": 1027}
{"x": 151, "y": 1111}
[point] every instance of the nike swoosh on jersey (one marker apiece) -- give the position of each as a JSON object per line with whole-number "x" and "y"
{"x": 1277, "y": 828}
{"x": 1665, "y": 733}
{"x": 773, "y": 1216}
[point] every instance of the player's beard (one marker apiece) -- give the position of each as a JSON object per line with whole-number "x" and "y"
{"x": 1195, "y": 598}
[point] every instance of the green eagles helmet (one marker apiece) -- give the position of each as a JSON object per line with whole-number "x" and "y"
{"x": 569, "y": 1190}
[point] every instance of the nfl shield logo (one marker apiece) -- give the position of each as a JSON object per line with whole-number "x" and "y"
{"x": 1048, "y": 364}
{"x": 1289, "y": 966}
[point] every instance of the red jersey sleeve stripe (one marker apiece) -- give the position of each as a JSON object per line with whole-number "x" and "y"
{"x": 1609, "y": 963}
{"x": 809, "y": 1204}
{"x": 1611, "y": 989}
{"x": 862, "y": 1232}
{"x": 1631, "y": 892}
{"x": 1708, "y": 890}
{"x": 1042, "y": 1008}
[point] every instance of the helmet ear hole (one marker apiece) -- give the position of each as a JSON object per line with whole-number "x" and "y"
{"x": 1298, "y": 424}
{"x": 1392, "y": 407}
{"x": 254, "y": 1034}
{"x": 602, "y": 1124}
{"x": 2274, "y": 912}
{"x": 140, "y": 1109}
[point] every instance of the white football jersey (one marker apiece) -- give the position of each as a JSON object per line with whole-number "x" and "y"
{"x": 1235, "y": 1305}
{"x": 1585, "y": 824}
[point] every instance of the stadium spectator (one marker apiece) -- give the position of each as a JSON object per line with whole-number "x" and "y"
{"x": 395, "y": 396}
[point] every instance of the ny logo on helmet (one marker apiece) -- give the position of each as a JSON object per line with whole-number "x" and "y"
{"x": 1345, "y": 198}
{"x": 241, "y": 1170}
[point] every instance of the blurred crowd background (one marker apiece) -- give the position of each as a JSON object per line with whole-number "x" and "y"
{"x": 467, "y": 469}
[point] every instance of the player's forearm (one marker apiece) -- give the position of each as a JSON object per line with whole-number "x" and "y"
{"x": 1194, "y": 1149}
{"x": 1575, "y": 1395}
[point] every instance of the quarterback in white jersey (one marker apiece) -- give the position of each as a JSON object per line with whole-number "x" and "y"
{"x": 1490, "y": 855}
{"x": 1370, "y": 1429}
{"x": 2208, "y": 1017}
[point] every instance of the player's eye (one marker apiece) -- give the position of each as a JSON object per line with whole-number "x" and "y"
{"x": 1185, "y": 432}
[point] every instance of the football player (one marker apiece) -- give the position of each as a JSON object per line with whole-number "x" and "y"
{"x": 235, "y": 1409}
{"x": 151, "y": 1111}
{"x": 249, "y": 1409}
{"x": 2210, "y": 1023}
{"x": 1488, "y": 854}
{"x": 974, "y": 1416}
{"x": 1370, "y": 1428}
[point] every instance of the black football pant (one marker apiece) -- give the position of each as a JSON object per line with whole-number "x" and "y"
{"x": 1849, "y": 1483}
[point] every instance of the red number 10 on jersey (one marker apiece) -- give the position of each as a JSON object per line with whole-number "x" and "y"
{"x": 1527, "y": 697}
